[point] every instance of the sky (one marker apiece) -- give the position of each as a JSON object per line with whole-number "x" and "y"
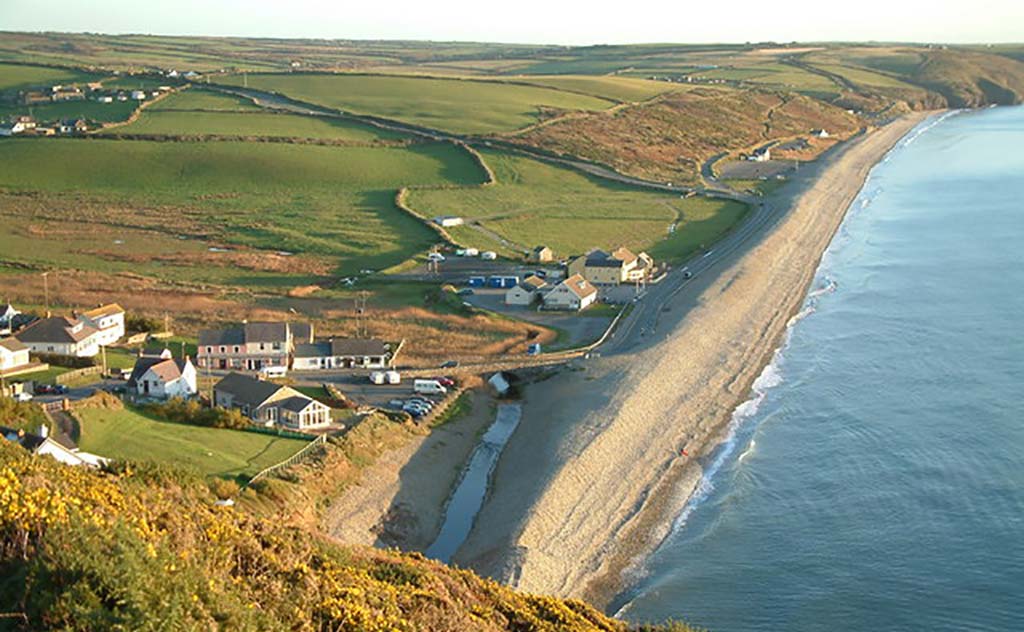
{"x": 572, "y": 22}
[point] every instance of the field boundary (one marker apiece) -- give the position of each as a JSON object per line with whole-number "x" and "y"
{"x": 322, "y": 439}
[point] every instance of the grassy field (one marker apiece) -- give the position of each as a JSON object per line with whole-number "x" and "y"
{"x": 130, "y": 434}
{"x": 625, "y": 89}
{"x": 197, "y": 99}
{"x": 256, "y": 124}
{"x": 22, "y": 77}
{"x": 472, "y": 107}
{"x": 157, "y": 207}
{"x": 90, "y": 110}
{"x": 535, "y": 203}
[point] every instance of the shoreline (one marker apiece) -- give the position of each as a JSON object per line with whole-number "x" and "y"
{"x": 591, "y": 483}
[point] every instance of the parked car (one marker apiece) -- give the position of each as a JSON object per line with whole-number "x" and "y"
{"x": 489, "y": 255}
{"x": 540, "y": 274}
{"x": 466, "y": 291}
{"x": 419, "y": 401}
{"x": 274, "y": 371}
{"x": 446, "y": 382}
{"x": 396, "y": 403}
{"x": 51, "y": 389}
{"x": 428, "y": 387}
{"x": 393, "y": 377}
{"x": 533, "y": 349}
{"x": 435, "y": 256}
{"x": 415, "y": 410}
{"x": 378, "y": 377}
{"x": 450, "y": 364}
{"x": 472, "y": 252}
{"x": 22, "y": 397}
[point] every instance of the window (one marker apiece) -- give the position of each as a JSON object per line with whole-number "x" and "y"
{"x": 209, "y": 350}
{"x": 262, "y": 347}
{"x": 277, "y": 346}
{"x": 236, "y": 348}
{"x": 223, "y": 349}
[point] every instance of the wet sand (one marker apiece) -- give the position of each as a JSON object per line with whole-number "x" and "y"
{"x": 594, "y": 476}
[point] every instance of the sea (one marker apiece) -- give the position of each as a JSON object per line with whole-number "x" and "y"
{"x": 875, "y": 480}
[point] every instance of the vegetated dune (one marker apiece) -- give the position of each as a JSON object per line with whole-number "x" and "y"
{"x": 669, "y": 138}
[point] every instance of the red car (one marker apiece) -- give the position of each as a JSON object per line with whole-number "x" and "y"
{"x": 446, "y": 382}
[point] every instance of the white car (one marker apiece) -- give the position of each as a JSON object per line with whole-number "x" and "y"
{"x": 272, "y": 372}
{"x": 22, "y": 397}
{"x": 435, "y": 256}
{"x": 489, "y": 255}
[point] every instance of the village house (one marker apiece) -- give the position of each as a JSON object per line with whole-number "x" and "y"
{"x": 138, "y": 95}
{"x": 42, "y": 445}
{"x": 819, "y": 133}
{"x": 14, "y": 356}
{"x": 61, "y": 335}
{"x": 541, "y": 254}
{"x": 35, "y": 97}
{"x": 345, "y": 353}
{"x": 574, "y": 294}
{"x": 7, "y": 319}
{"x": 763, "y": 154}
{"x": 17, "y": 125}
{"x": 252, "y": 346}
{"x": 269, "y": 404}
{"x": 66, "y": 93}
{"x": 108, "y": 319}
{"x": 612, "y": 268}
{"x": 162, "y": 376}
{"x": 72, "y": 126}
{"x": 526, "y": 292}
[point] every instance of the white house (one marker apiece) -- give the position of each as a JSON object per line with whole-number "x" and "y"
{"x": 14, "y": 355}
{"x": 109, "y": 320}
{"x": 268, "y": 404}
{"x": 62, "y": 336}
{"x": 763, "y": 154}
{"x": 526, "y": 292}
{"x": 138, "y": 95}
{"x": 43, "y": 445}
{"x": 575, "y": 294}
{"x": 7, "y": 319}
{"x": 163, "y": 377}
{"x": 819, "y": 133}
{"x": 343, "y": 353}
{"x": 447, "y": 221}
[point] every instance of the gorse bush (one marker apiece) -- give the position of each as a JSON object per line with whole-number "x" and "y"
{"x": 192, "y": 412}
{"x": 144, "y": 548}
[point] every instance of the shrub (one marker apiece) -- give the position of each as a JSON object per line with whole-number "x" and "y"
{"x": 191, "y": 412}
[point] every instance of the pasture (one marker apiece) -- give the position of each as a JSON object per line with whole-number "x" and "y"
{"x": 197, "y": 99}
{"x": 453, "y": 105}
{"x": 89, "y": 110}
{"x": 156, "y": 208}
{"x": 623, "y": 89}
{"x": 131, "y": 434}
{"x": 537, "y": 203}
{"x": 23, "y": 76}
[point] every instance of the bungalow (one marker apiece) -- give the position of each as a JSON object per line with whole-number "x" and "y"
{"x": 251, "y": 346}
{"x": 62, "y": 336}
{"x": 526, "y": 292}
{"x": 343, "y": 353}
{"x": 14, "y": 355}
{"x": 42, "y": 444}
{"x": 575, "y": 294}
{"x": 763, "y": 154}
{"x": 109, "y": 320}
{"x": 73, "y": 126}
{"x": 268, "y": 404}
{"x": 162, "y": 376}
{"x": 541, "y": 254}
{"x": 447, "y": 221}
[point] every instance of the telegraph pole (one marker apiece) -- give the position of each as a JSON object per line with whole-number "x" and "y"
{"x": 361, "y": 297}
{"x": 46, "y": 292}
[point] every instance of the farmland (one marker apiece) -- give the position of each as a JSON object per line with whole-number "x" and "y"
{"x": 130, "y": 434}
{"x": 453, "y": 105}
{"x": 90, "y": 110}
{"x": 21, "y": 77}
{"x": 157, "y": 207}
{"x": 536, "y": 203}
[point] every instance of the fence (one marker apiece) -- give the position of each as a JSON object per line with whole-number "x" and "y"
{"x": 292, "y": 460}
{"x": 70, "y": 376}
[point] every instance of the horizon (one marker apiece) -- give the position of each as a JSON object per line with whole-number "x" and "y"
{"x": 532, "y": 22}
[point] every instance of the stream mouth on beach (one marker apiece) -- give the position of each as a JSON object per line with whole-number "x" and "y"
{"x": 876, "y": 483}
{"x": 470, "y": 491}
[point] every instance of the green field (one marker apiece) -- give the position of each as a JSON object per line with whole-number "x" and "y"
{"x": 625, "y": 89}
{"x": 332, "y": 203}
{"x": 129, "y": 434}
{"x": 461, "y": 106}
{"x": 196, "y": 99}
{"x": 535, "y": 203}
{"x": 22, "y": 77}
{"x": 259, "y": 124}
{"x": 89, "y": 110}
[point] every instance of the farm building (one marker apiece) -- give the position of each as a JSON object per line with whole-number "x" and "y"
{"x": 527, "y": 292}
{"x": 574, "y": 294}
{"x": 447, "y": 221}
{"x": 541, "y": 254}
{"x": 162, "y": 376}
{"x": 343, "y": 353}
{"x": 270, "y": 404}
{"x": 62, "y": 336}
{"x": 252, "y": 346}
{"x": 108, "y": 320}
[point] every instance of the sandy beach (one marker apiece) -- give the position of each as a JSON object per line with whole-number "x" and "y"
{"x": 607, "y": 452}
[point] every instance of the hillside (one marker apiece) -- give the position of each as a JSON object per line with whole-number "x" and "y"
{"x": 140, "y": 547}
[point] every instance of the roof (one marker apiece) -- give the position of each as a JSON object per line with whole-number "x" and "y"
{"x": 358, "y": 347}
{"x": 266, "y": 332}
{"x": 579, "y": 286}
{"x": 532, "y": 283}
{"x": 298, "y": 403}
{"x": 167, "y": 369}
{"x": 247, "y": 390}
{"x": 12, "y": 344}
{"x": 27, "y": 440}
{"x": 541, "y": 248}
{"x": 9, "y": 312}
{"x": 313, "y": 350}
{"x": 56, "y": 329}
{"x": 103, "y": 310}
{"x": 623, "y": 254}
{"x": 230, "y": 336}
{"x": 601, "y": 259}
{"x": 302, "y": 331}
